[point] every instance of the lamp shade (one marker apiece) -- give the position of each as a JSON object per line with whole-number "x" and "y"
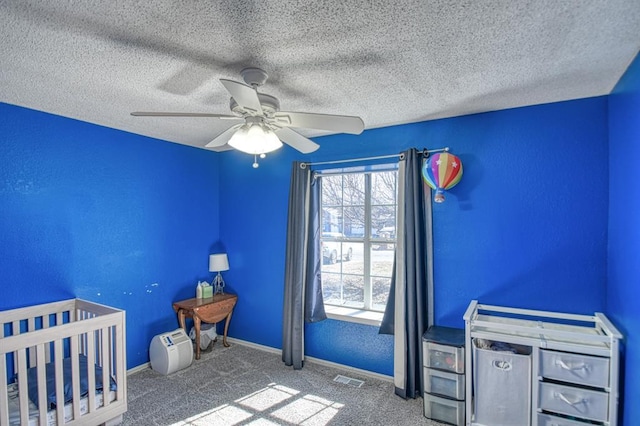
{"x": 218, "y": 262}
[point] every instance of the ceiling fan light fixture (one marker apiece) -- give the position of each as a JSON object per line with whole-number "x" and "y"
{"x": 255, "y": 139}
{"x": 272, "y": 141}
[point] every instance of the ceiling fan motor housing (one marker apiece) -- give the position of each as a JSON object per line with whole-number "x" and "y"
{"x": 270, "y": 105}
{"x": 254, "y": 76}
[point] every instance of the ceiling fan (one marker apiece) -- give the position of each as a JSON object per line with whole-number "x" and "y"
{"x": 264, "y": 127}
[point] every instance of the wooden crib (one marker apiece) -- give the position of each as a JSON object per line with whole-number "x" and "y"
{"x": 71, "y": 350}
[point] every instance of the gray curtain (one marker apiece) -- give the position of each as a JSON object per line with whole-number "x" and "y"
{"x": 302, "y": 287}
{"x": 409, "y": 310}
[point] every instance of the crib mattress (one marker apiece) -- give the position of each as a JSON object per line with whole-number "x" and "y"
{"x": 14, "y": 408}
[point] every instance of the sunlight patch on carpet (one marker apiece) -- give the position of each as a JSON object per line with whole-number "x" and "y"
{"x": 309, "y": 410}
{"x": 224, "y": 415}
{"x": 274, "y": 401}
{"x": 268, "y": 397}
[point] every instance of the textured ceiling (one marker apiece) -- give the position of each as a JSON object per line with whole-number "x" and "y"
{"x": 390, "y": 62}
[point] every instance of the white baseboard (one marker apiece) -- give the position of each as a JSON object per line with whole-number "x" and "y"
{"x": 139, "y": 368}
{"x": 316, "y": 360}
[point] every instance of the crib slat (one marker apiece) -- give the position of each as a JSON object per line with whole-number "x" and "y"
{"x": 42, "y": 384}
{"x": 31, "y": 325}
{"x": 81, "y": 315}
{"x": 91, "y": 371}
{"x": 21, "y": 360}
{"x": 75, "y": 376}
{"x": 104, "y": 343}
{"x": 99, "y": 348}
{"x": 58, "y": 359}
{"x": 112, "y": 343}
{"x": 47, "y": 353}
{"x": 15, "y": 330}
{"x": 119, "y": 339}
{"x": 4, "y": 396}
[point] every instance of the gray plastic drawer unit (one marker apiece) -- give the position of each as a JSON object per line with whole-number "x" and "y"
{"x": 443, "y": 357}
{"x": 575, "y": 368}
{"x": 443, "y": 374}
{"x": 444, "y": 409}
{"x": 444, "y": 383}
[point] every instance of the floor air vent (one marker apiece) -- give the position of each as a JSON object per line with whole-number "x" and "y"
{"x": 348, "y": 381}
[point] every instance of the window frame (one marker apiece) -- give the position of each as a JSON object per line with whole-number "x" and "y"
{"x": 368, "y": 313}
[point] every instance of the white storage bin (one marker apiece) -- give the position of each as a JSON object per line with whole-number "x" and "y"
{"x": 549, "y": 420}
{"x": 443, "y": 357}
{"x": 575, "y": 402}
{"x": 444, "y": 410}
{"x": 575, "y": 368}
{"x": 444, "y": 383}
{"x": 501, "y": 384}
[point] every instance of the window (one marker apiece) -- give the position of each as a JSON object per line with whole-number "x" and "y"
{"x": 358, "y": 237}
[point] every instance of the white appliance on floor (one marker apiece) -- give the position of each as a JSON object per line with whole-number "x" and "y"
{"x": 171, "y": 352}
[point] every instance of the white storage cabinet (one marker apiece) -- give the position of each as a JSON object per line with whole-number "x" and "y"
{"x": 570, "y": 377}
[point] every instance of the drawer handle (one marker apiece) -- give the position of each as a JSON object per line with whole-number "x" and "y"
{"x": 501, "y": 365}
{"x": 563, "y": 398}
{"x": 570, "y": 367}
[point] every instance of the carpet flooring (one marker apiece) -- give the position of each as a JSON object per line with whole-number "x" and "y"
{"x": 243, "y": 385}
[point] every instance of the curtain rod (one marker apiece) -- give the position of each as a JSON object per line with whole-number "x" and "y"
{"x": 379, "y": 157}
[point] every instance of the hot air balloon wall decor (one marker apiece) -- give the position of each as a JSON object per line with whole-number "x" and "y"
{"x": 442, "y": 171}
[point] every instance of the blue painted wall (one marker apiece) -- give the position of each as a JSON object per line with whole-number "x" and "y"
{"x": 104, "y": 215}
{"x": 528, "y": 220}
{"x": 623, "y": 291}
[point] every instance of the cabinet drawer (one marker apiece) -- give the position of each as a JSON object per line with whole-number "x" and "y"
{"x": 443, "y": 409}
{"x": 444, "y": 383}
{"x": 502, "y": 388}
{"x": 443, "y": 357}
{"x": 549, "y": 420}
{"x": 575, "y": 368}
{"x": 576, "y": 402}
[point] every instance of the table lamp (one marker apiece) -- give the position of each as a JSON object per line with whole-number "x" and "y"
{"x": 218, "y": 263}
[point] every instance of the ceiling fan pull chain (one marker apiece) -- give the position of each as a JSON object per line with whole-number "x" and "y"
{"x": 255, "y": 161}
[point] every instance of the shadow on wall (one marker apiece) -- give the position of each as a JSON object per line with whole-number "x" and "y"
{"x": 217, "y": 247}
{"x": 472, "y": 176}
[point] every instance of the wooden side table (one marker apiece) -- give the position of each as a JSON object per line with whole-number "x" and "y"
{"x": 209, "y": 310}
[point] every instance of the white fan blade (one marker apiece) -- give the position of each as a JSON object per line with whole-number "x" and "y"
{"x": 183, "y": 114}
{"x": 296, "y": 140}
{"x": 244, "y": 95}
{"x": 335, "y": 123}
{"x": 223, "y": 137}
